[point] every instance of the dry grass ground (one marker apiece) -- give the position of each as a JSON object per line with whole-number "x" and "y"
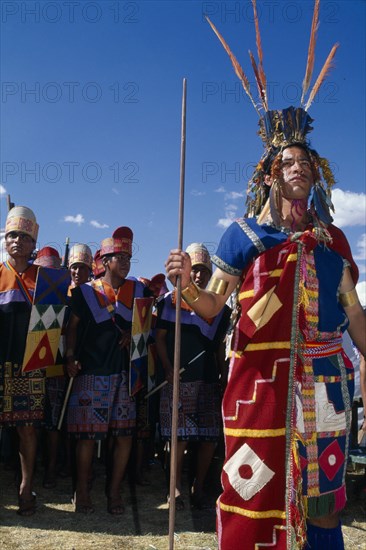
{"x": 144, "y": 526}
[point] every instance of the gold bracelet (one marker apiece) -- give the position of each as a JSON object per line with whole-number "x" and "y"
{"x": 191, "y": 293}
{"x": 217, "y": 286}
{"x": 349, "y": 298}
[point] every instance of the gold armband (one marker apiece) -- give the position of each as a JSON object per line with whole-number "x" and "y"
{"x": 191, "y": 293}
{"x": 349, "y": 298}
{"x": 217, "y": 286}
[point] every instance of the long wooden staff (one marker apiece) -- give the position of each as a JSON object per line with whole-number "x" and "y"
{"x": 66, "y": 400}
{"x": 174, "y": 440}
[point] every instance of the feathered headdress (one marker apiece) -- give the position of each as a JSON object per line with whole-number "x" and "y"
{"x": 282, "y": 128}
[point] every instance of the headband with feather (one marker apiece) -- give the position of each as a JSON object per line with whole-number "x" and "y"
{"x": 280, "y": 128}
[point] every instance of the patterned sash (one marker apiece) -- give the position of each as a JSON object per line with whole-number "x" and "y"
{"x": 24, "y": 290}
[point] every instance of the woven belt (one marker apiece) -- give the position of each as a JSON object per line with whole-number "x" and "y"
{"x": 322, "y": 349}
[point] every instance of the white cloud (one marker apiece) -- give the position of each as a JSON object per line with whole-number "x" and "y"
{"x": 79, "y": 219}
{"x": 220, "y": 190}
{"x": 360, "y": 255}
{"x": 151, "y": 220}
{"x": 2, "y": 190}
{"x": 98, "y": 225}
{"x": 361, "y": 248}
{"x": 230, "y": 216}
{"x": 197, "y": 193}
{"x": 225, "y": 222}
{"x": 361, "y": 291}
{"x": 234, "y": 195}
{"x": 229, "y": 207}
{"x": 3, "y": 254}
{"x": 350, "y": 208}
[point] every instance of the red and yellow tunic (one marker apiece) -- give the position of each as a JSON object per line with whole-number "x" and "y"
{"x": 287, "y": 406}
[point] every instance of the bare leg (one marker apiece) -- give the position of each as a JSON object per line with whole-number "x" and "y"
{"x": 53, "y": 438}
{"x": 27, "y": 455}
{"x": 326, "y": 522}
{"x": 204, "y": 457}
{"x": 121, "y": 453}
{"x": 141, "y": 453}
{"x": 84, "y": 458}
{"x": 181, "y": 447}
{"x": 324, "y": 532}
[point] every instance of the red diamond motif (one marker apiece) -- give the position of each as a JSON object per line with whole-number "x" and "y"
{"x": 303, "y": 462}
{"x": 331, "y": 460}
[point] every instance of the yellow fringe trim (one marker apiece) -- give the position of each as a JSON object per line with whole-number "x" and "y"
{"x": 251, "y": 514}
{"x": 242, "y": 432}
{"x": 268, "y": 345}
{"x": 261, "y": 347}
{"x": 303, "y": 296}
{"x": 312, "y": 293}
{"x": 313, "y": 492}
{"x": 309, "y": 414}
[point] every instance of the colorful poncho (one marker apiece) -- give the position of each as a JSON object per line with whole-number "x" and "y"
{"x": 287, "y": 406}
{"x": 22, "y": 394}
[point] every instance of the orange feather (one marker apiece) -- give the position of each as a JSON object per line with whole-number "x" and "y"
{"x": 323, "y": 73}
{"x": 237, "y": 68}
{"x": 261, "y": 89}
{"x": 259, "y": 48}
{"x": 311, "y": 52}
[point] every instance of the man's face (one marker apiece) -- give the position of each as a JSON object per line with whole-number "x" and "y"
{"x": 200, "y": 275}
{"x": 119, "y": 264}
{"x": 297, "y": 177}
{"x": 79, "y": 273}
{"x": 19, "y": 245}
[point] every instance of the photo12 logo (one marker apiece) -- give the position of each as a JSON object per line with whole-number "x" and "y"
{"x": 290, "y": 92}
{"x": 69, "y": 172}
{"x": 70, "y": 11}
{"x": 69, "y": 92}
{"x": 269, "y": 11}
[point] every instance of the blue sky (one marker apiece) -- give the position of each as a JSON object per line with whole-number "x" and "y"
{"x": 91, "y": 108}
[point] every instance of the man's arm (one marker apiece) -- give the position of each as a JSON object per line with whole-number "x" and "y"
{"x": 355, "y": 314}
{"x": 208, "y": 304}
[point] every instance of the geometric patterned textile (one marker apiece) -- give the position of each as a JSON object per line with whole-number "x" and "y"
{"x": 247, "y": 473}
{"x": 141, "y": 326}
{"x": 331, "y": 460}
{"x": 46, "y": 319}
{"x": 287, "y": 401}
{"x": 51, "y": 286}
